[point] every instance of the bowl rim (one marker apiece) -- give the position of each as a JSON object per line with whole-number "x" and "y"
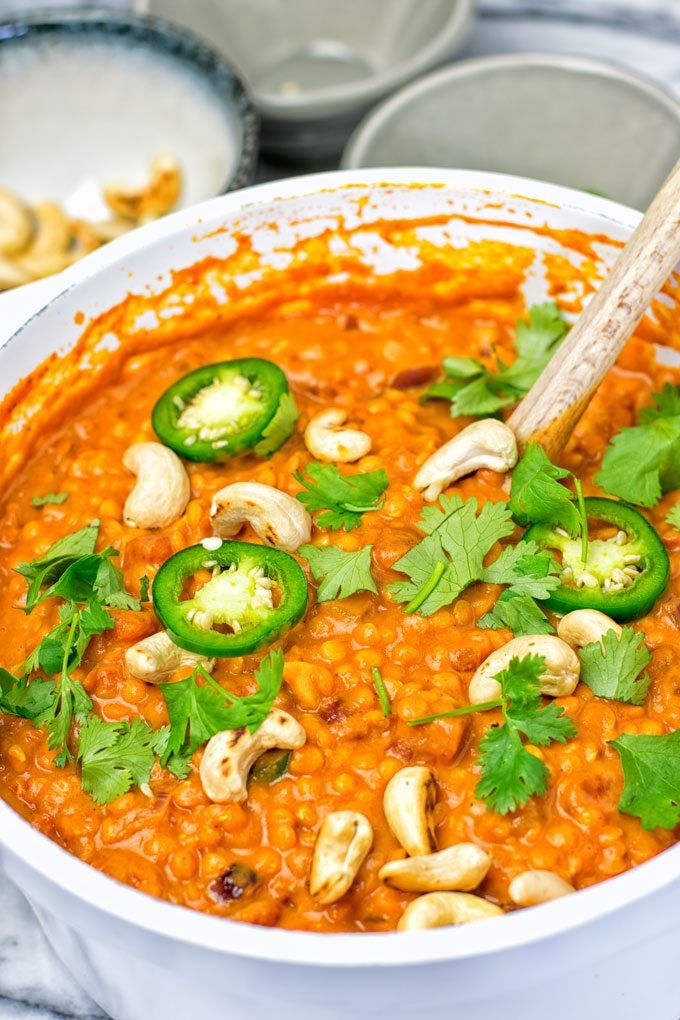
{"x": 32, "y": 851}
{"x": 180, "y": 46}
{"x": 365, "y": 91}
{"x": 365, "y": 133}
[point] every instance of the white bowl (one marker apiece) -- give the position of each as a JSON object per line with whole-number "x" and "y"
{"x": 611, "y": 950}
{"x": 583, "y": 123}
{"x": 316, "y": 66}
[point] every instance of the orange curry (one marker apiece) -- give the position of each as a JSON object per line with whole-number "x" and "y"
{"x": 373, "y": 358}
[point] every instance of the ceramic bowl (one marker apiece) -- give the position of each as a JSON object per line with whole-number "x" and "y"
{"x": 610, "y": 950}
{"x": 316, "y": 66}
{"x": 89, "y": 97}
{"x": 583, "y": 123}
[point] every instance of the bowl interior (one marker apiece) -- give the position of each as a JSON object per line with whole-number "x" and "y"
{"x": 563, "y": 121}
{"x": 84, "y": 105}
{"x": 291, "y": 50}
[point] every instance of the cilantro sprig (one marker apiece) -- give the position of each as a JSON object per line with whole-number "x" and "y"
{"x": 643, "y": 462}
{"x": 651, "y": 772}
{"x": 198, "y": 711}
{"x": 612, "y": 667}
{"x": 343, "y": 498}
{"x": 341, "y": 573}
{"x": 511, "y": 775}
{"x": 474, "y": 390}
{"x": 115, "y": 756}
{"x": 49, "y": 498}
{"x": 451, "y": 557}
{"x": 519, "y": 612}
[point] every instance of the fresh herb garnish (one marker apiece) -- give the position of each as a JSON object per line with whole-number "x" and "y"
{"x": 344, "y": 498}
{"x": 115, "y": 756}
{"x": 52, "y": 564}
{"x": 510, "y": 773}
{"x": 651, "y": 772}
{"x": 21, "y": 698}
{"x": 474, "y": 390}
{"x": 673, "y": 517}
{"x": 643, "y": 462}
{"x": 381, "y": 690}
{"x": 519, "y": 612}
{"x": 452, "y": 554}
{"x": 49, "y": 497}
{"x": 198, "y": 712}
{"x": 536, "y": 494}
{"x": 341, "y": 573}
{"x": 144, "y": 583}
{"x": 612, "y": 666}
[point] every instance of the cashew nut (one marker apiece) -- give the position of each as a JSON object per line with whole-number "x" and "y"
{"x": 460, "y": 867}
{"x": 484, "y": 444}
{"x": 152, "y": 199}
{"x": 409, "y": 805}
{"x": 560, "y": 673}
{"x": 534, "y": 887}
{"x": 277, "y": 518}
{"x": 156, "y": 658}
{"x": 162, "y": 490}
{"x": 53, "y": 232}
{"x": 437, "y": 909}
{"x": 229, "y": 755}
{"x": 16, "y": 225}
{"x": 326, "y": 439}
{"x": 344, "y": 839}
{"x": 585, "y": 626}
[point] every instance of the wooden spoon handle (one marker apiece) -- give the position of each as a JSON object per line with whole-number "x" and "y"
{"x": 558, "y": 398}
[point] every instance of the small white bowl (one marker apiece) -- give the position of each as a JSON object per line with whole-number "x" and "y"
{"x": 582, "y": 123}
{"x": 90, "y": 97}
{"x": 316, "y": 67}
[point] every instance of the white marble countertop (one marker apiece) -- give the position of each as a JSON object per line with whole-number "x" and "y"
{"x": 641, "y": 34}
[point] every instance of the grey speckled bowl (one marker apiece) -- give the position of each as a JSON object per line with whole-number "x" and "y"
{"x": 316, "y": 66}
{"x": 583, "y": 123}
{"x": 91, "y": 96}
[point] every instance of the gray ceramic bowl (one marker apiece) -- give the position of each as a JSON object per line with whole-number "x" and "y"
{"x": 582, "y": 123}
{"x": 316, "y": 66}
{"x": 90, "y": 97}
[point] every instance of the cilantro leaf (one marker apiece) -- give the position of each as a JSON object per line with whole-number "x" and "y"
{"x": 643, "y": 462}
{"x": 21, "y": 698}
{"x": 536, "y": 495}
{"x": 53, "y": 563}
{"x": 474, "y": 390}
{"x": 651, "y": 772}
{"x": 114, "y": 756}
{"x": 673, "y": 517}
{"x": 197, "y": 713}
{"x": 341, "y": 573}
{"x": 612, "y": 666}
{"x": 518, "y": 612}
{"x": 49, "y": 497}
{"x": 144, "y": 588}
{"x": 525, "y": 569}
{"x": 344, "y": 497}
{"x": 510, "y": 773}
{"x": 280, "y": 428}
{"x": 458, "y": 538}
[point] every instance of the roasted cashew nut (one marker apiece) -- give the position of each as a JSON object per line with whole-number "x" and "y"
{"x": 152, "y": 199}
{"x": 409, "y": 805}
{"x": 437, "y": 909}
{"x": 16, "y": 225}
{"x": 344, "y": 839}
{"x": 277, "y": 518}
{"x": 326, "y": 439}
{"x": 484, "y": 444}
{"x": 584, "y": 627}
{"x": 230, "y": 755}
{"x": 162, "y": 490}
{"x": 156, "y": 658}
{"x": 461, "y": 867}
{"x": 534, "y": 887}
{"x": 560, "y": 673}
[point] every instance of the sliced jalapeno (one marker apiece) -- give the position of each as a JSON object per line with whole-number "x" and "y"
{"x": 255, "y": 594}
{"x": 624, "y": 574}
{"x": 221, "y": 410}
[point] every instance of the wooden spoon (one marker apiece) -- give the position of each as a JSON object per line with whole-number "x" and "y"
{"x": 558, "y": 398}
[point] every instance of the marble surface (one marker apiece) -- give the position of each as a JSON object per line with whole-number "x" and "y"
{"x": 641, "y": 34}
